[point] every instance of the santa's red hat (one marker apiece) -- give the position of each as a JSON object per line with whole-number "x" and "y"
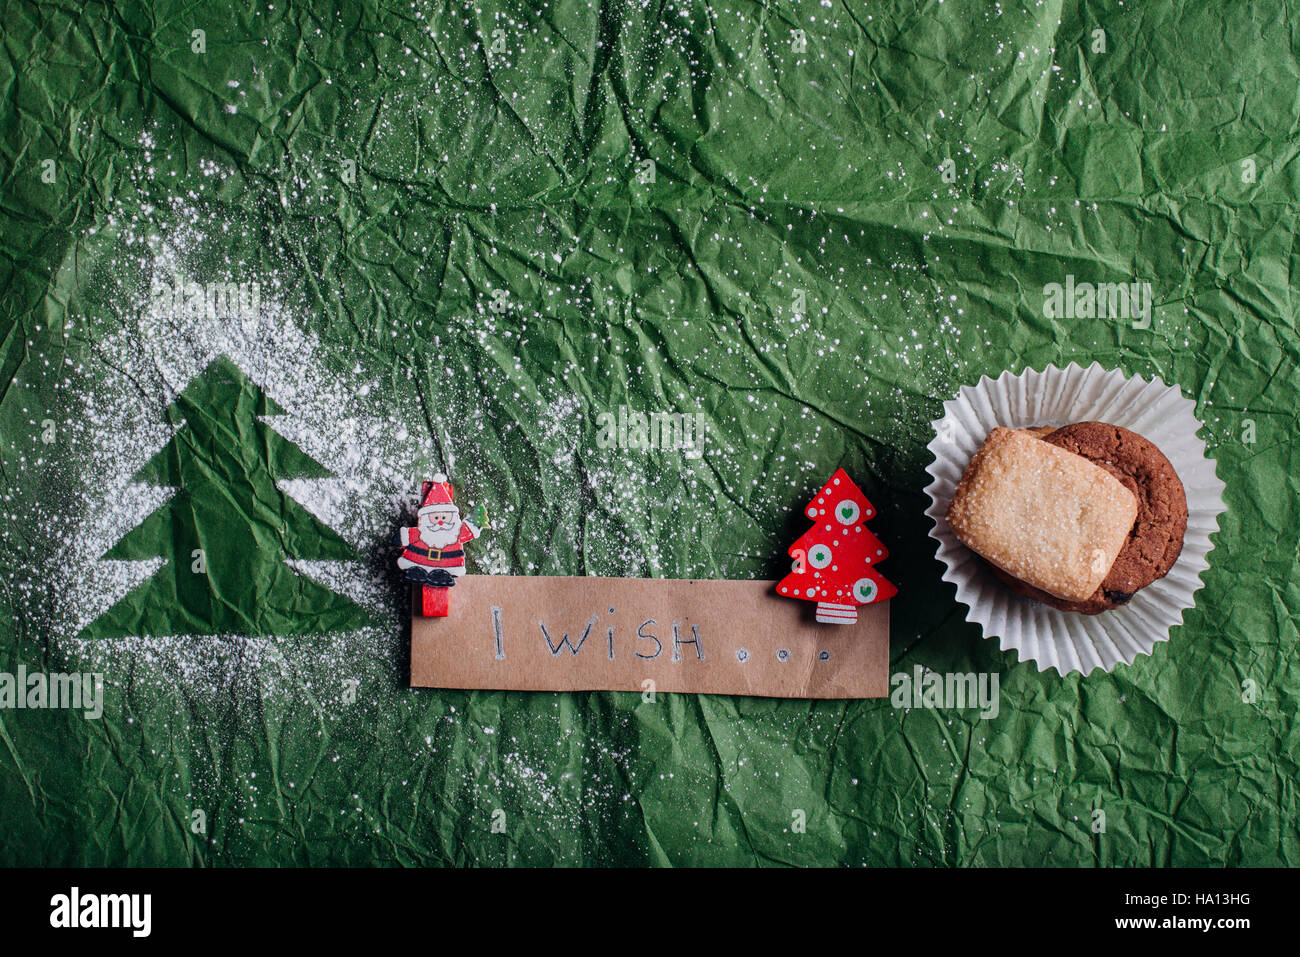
{"x": 438, "y": 495}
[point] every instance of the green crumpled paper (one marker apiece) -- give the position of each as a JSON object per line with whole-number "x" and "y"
{"x": 811, "y": 222}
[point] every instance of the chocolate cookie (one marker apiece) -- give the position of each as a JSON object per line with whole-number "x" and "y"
{"x": 1156, "y": 539}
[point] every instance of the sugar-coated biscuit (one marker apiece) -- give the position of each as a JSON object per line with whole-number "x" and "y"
{"x": 1045, "y": 515}
{"x": 1156, "y": 539}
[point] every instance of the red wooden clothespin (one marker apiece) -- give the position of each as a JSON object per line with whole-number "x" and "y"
{"x": 834, "y": 561}
{"x": 433, "y": 552}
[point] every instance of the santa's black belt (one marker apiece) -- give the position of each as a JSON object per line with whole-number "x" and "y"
{"x": 437, "y": 554}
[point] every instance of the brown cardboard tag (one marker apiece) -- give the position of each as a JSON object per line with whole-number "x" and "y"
{"x": 527, "y": 633}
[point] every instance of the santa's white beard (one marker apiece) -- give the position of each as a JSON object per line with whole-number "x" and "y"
{"x": 439, "y": 536}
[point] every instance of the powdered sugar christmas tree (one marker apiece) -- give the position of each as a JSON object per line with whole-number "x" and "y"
{"x": 833, "y": 560}
{"x": 228, "y": 529}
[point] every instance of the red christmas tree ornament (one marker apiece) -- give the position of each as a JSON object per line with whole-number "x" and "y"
{"x": 433, "y": 552}
{"x": 833, "y": 560}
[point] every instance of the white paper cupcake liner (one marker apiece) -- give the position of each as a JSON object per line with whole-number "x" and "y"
{"x": 1068, "y": 641}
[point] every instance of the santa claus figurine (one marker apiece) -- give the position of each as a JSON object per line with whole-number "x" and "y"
{"x": 433, "y": 552}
